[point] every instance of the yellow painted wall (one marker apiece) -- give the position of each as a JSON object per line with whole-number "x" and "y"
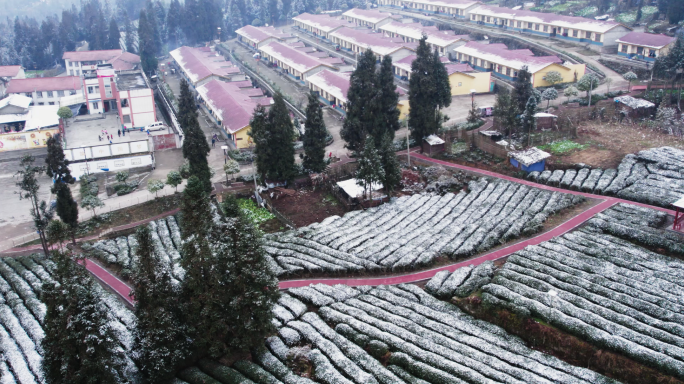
{"x": 242, "y": 139}
{"x": 568, "y": 73}
{"x": 404, "y": 108}
{"x": 479, "y": 81}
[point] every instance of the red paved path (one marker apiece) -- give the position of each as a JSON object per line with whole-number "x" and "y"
{"x": 109, "y": 279}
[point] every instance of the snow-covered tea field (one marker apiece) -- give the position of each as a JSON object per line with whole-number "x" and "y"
{"x": 654, "y": 176}
{"x": 599, "y": 286}
{"x": 419, "y": 338}
{"x": 22, "y": 315}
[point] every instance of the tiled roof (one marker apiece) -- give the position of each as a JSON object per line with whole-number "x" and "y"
{"x": 529, "y": 156}
{"x": 125, "y": 61}
{"x": 259, "y": 34}
{"x": 336, "y": 83}
{"x": 232, "y": 106}
{"x": 104, "y": 55}
{"x": 572, "y": 22}
{"x": 417, "y": 30}
{"x": 368, "y": 15}
{"x": 459, "y": 4}
{"x": 650, "y": 40}
{"x": 377, "y": 42}
{"x": 292, "y": 57}
{"x": 463, "y": 68}
{"x": 321, "y": 22}
{"x": 9, "y": 70}
{"x": 63, "y": 83}
{"x": 497, "y": 54}
{"x": 406, "y": 62}
{"x": 199, "y": 63}
{"x": 20, "y": 101}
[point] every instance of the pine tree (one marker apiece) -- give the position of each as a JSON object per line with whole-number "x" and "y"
{"x": 80, "y": 346}
{"x": 390, "y": 165}
{"x": 28, "y": 186}
{"x": 363, "y": 105}
{"x": 370, "y": 170}
{"x": 528, "y": 121}
{"x": 442, "y": 84}
{"x": 259, "y": 134}
{"x": 129, "y": 39}
{"x": 195, "y": 147}
{"x": 280, "y": 141}
{"x": 160, "y": 340}
{"x": 505, "y": 112}
{"x": 423, "y": 94}
{"x": 522, "y": 88}
{"x": 389, "y": 98}
{"x": 114, "y": 35}
{"x": 146, "y": 43}
{"x": 58, "y": 168}
{"x": 314, "y": 136}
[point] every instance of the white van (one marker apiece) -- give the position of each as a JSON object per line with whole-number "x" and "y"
{"x": 156, "y": 126}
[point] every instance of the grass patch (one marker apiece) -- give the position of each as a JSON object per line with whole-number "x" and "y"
{"x": 562, "y": 147}
{"x": 587, "y": 11}
{"x": 253, "y": 212}
{"x": 329, "y": 200}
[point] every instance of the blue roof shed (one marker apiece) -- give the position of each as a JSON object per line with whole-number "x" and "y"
{"x": 529, "y": 160}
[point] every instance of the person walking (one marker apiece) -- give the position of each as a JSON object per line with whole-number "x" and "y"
{"x": 99, "y": 137}
{"x": 213, "y": 142}
{"x": 119, "y": 131}
{"x": 124, "y": 132}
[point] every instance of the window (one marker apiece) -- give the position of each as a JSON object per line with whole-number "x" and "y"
{"x": 508, "y": 71}
{"x": 94, "y": 89}
{"x": 124, "y": 103}
{"x": 597, "y": 37}
{"x": 60, "y": 93}
{"x": 546, "y": 28}
{"x": 51, "y": 103}
{"x": 529, "y": 25}
{"x": 536, "y": 27}
{"x": 50, "y": 94}
{"x": 574, "y": 33}
{"x": 39, "y": 94}
{"x": 96, "y": 105}
{"x": 126, "y": 119}
{"x": 71, "y": 72}
{"x": 587, "y": 35}
{"x": 41, "y": 103}
{"x": 29, "y": 94}
{"x": 515, "y": 73}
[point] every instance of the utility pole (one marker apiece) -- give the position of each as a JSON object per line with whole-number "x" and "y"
{"x": 408, "y": 150}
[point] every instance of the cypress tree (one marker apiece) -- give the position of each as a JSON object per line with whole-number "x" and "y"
{"x": 146, "y": 42}
{"x": 522, "y": 89}
{"x": 160, "y": 340}
{"x": 370, "y": 169}
{"x": 128, "y": 30}
{"x": 442, "y": 85}
{"x": 79, "y": 344}
{"x": 314, "y": 136}
{"x": 505, "y": 112}
{"x": 195, "y": 147}
{"x": 258, "y": 133}
{"x": 388, "y": 102}
{"x": 363, "y": 109}
{"x": 114, "y": 35}
{"x": 528, "y": 121}
{"x": 424, "y": 96}
{"x": 390, "y": 165}
{"x": 58, "y": 168}
{"x": 280, "y": 141}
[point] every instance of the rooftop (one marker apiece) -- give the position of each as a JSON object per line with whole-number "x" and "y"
{"x": 650, "y": 40}
{"x": 377, "y": 42}
{"x": 232, "y": 106}
{"x": 125, "y": 61}
{"x": 259, "y": 34}
{"x": 529, "y": 156}
{"x": 459, "y": 4}
{"x": 20, "y": 101}
{"x": 406, "y": 62}
{"x": 417, "y": 30}
{"x": 200, "y": 63}
{"x": 130, "y": 81}
{"x": 634, "y": 103}
{"x": 104, "y": 55}
{"x": 499, "y": 54}
{"x": 368, "y": 15}
{"x": 453, "y": 68}
{"x": 9, "y": 70}
{"x": 324, "y": 23}
{"x": 572, "y": 22}
{"x": 62, "y": 83}
{"x": 335, "y": 83}
{"x": 434, "y": 140}
{"x": 42, "y": 116}
{"x": 292, "y": 57}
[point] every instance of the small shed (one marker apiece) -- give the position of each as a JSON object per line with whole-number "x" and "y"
{"x": 545, "y": 120}
{"x": 433, "y": 144}
{"x": 494, "y": 135}
{"x": 529, "y": 160}
{"x": 679, "y": 214}
{"x": 635, "y": 107}
{"x": 353, "y": 193}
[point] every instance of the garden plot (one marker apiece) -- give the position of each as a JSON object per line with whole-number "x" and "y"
{"x": 22, "y": 315}
{"x": 411, "y": 232}
{"x": 388, "y": 335}
{"x": 654, "y": 176}
{"x": 595, "y": 284}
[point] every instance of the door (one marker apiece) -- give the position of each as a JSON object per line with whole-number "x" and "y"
{"x": 553, "y": 32}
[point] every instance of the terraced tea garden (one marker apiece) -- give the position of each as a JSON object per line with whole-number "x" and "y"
{"x": 654, "y": 176}
{"x": 386, "y": 335}
{"x": 22, "y": 316}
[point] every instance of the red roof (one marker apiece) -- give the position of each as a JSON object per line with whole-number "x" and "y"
{"x": 63, "y": 83}
{"x": 652, "y": 40}
{"x": 199, "y": 63}
{"x": 9, "y": 70}
{"x": 104, "y": 55}
{"x": 453, "y": 68}
{"x": 232, "y": 105}
{"x": 125, "y": 61}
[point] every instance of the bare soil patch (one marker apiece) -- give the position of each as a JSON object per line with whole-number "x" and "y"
{"x": 308, "y": 206}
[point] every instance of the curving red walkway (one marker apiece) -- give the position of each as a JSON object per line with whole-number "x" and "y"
{"x": 110, "y": 280}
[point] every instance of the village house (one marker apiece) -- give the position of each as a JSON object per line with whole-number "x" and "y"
{"x": 200, "y": 65}
{"x": 63, "y": 91}
{"x": 232, "y": 107}
{"x": 294, "y": 62}
{"x": 450, "y": 8}
{"x": 444, "y": 41}
{"x": 505, "y": 63}
{"x": 256, "y": 37}
{"x": 357, "y": 41}
{"x": 644, "y": 46}
{"x": 18, "y": 115}
{"x": 81, "y": 62}
{"x": 319, "y": 25}
{"x": 7, "y": 73}
{"x": 370, "y": 18}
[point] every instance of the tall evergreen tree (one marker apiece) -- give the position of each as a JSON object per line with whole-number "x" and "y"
{"x": 28, "y": 186}
{"x": 280, "y": 141}
{"x": 114, "y": 35}
{"x": 259, "y": 134}
{"x": 388, "y": 100}
{"x": 174, "y": 22}
{"x": 363, "y": 105}
{"x": 160, "y": 340}
{"x": 522, "y": 88}
{"x": 424, "y": 97}
{"x": 370, "y": 169}
{"x": 146, "y": 43}
{"x": 130, "y": 35}
{"x": 195, "y": 147}
{"x": 390, "y": 165}
{"x": 505, "y": 112}
{"x": 314, "y": 136}
{"x": 80, "y": 346}
{"x": 58, "y": 168}
{"x": 441, "y": 76}
{"x": 528, "y": 121}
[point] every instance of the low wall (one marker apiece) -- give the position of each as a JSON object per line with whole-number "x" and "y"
{"x": 26, "y": 140}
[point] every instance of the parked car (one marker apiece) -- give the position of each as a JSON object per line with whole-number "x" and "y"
{"x": 156, "y": 126}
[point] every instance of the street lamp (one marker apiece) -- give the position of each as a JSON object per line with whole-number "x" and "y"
{"x": 219, "y": 33}
{"x": 472, "y": 98}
